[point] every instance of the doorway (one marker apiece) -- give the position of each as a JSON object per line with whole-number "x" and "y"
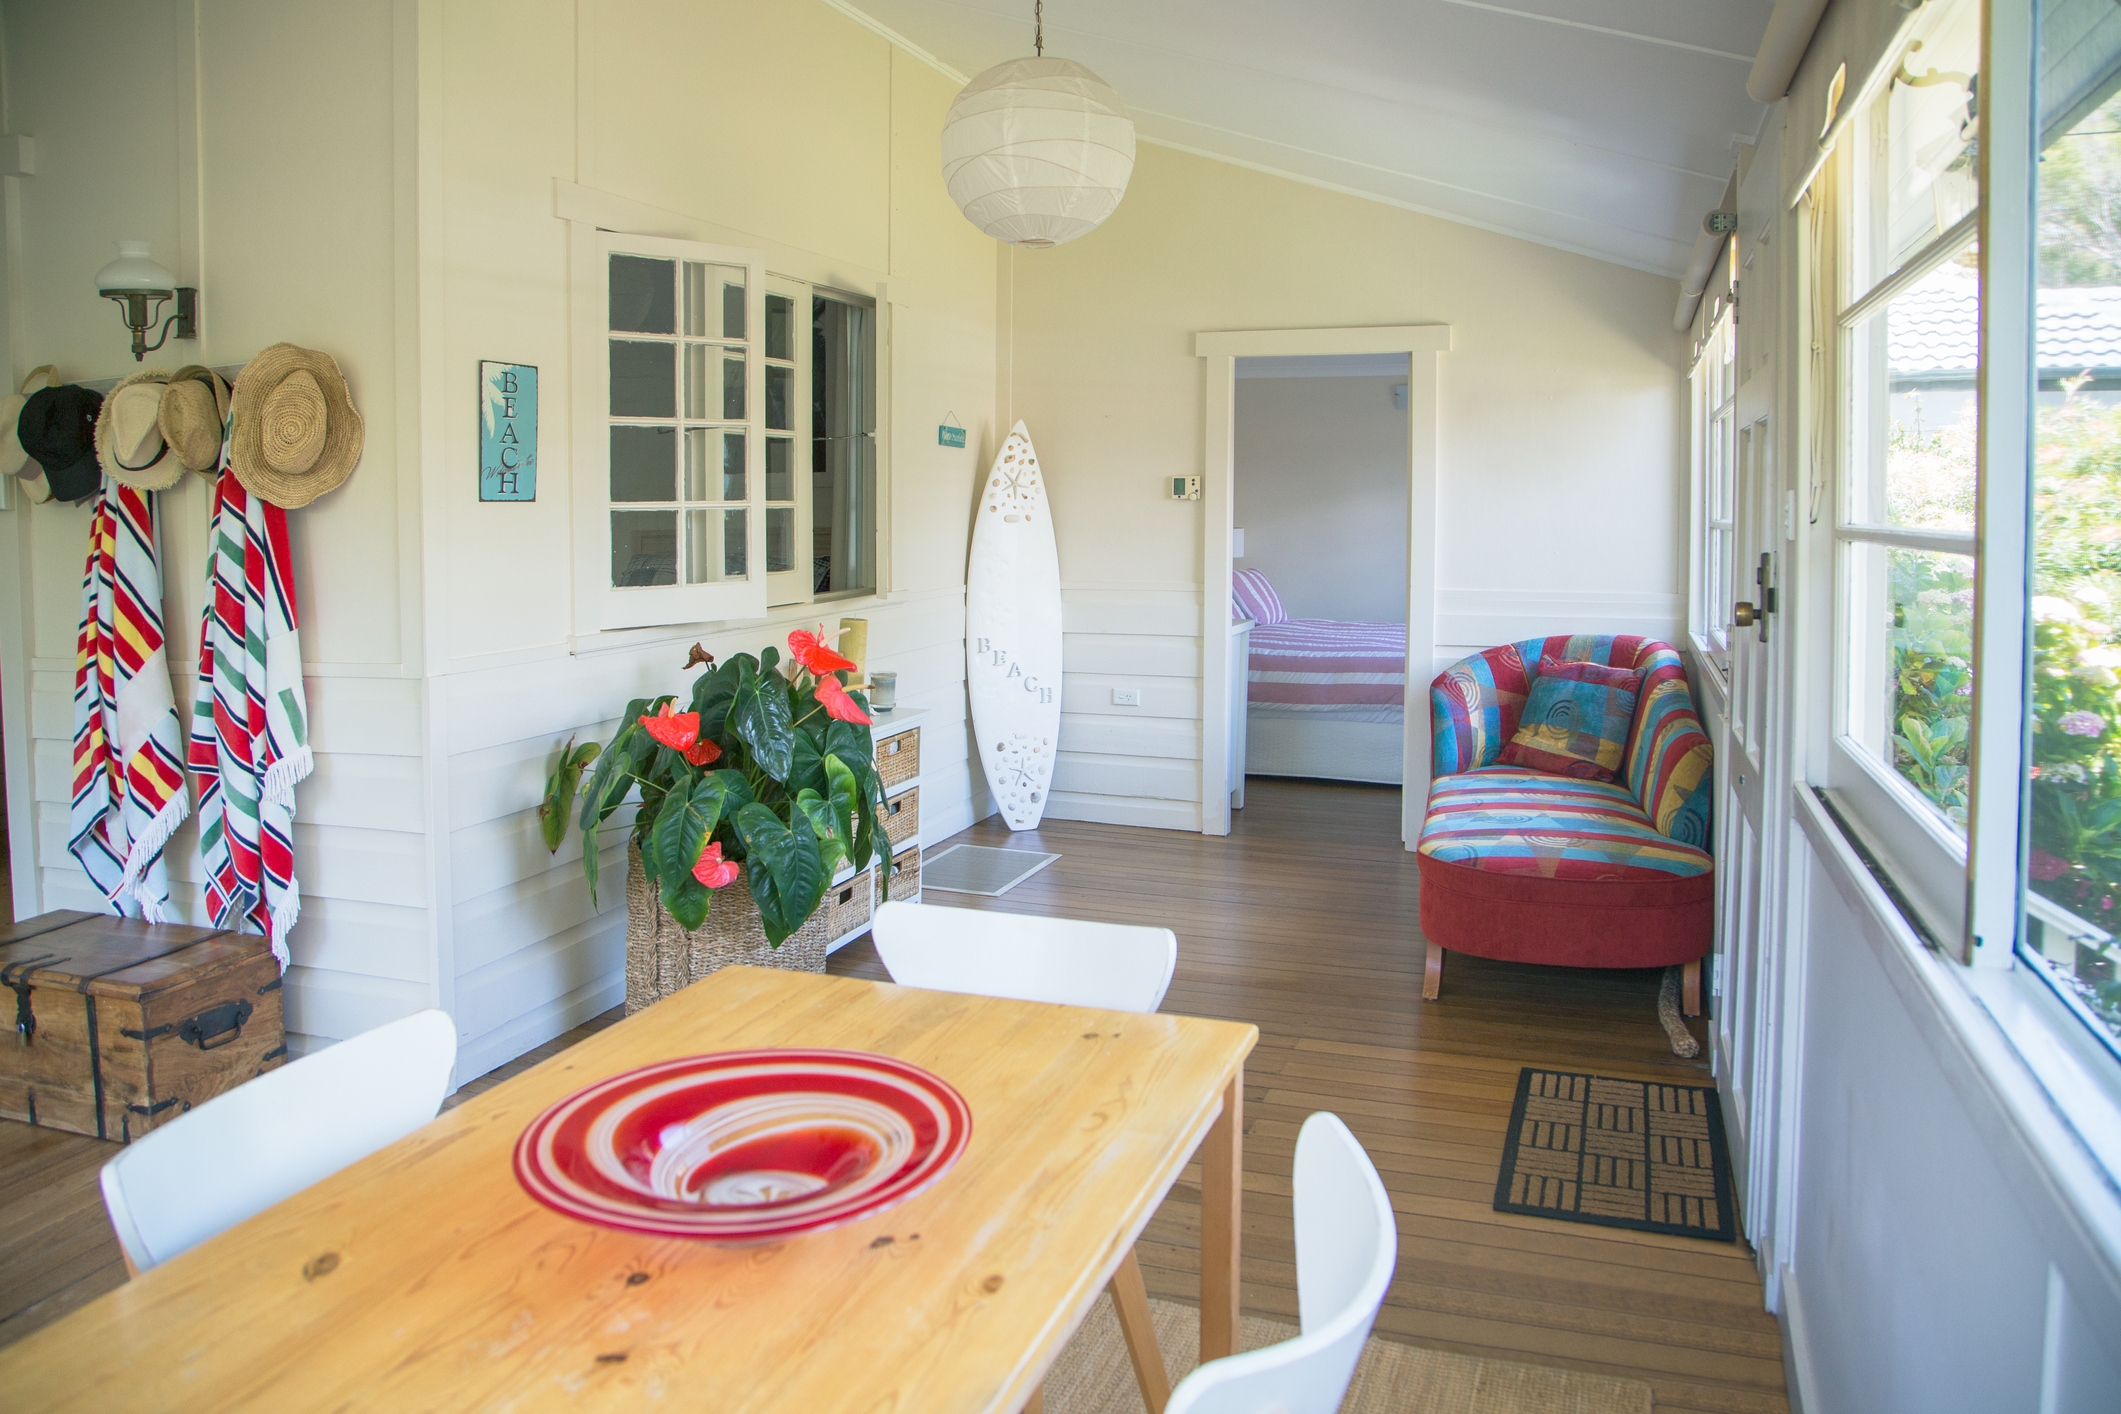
{"x": 1223, "y": 670}
{"x": 1319, "y": 561}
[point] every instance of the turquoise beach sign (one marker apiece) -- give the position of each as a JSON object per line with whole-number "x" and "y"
{"x": 508, "y": 432}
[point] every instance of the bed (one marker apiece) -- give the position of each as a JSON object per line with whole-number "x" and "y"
{"x": 1324, "y": 698}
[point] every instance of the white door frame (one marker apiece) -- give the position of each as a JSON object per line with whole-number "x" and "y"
{"x": 1219, "y": 491}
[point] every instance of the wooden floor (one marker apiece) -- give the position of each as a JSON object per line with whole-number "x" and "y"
{"x": 1302, "y": 921}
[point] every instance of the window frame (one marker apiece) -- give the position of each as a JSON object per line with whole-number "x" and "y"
{"x": 600, "y": 605}
{"x": 785, "y": 588}
{"x": 1714, "y": 391}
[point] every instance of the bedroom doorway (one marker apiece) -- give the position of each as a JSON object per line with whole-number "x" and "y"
{"x": 1412, "y": 351}
{"x": 1319, "y": 564}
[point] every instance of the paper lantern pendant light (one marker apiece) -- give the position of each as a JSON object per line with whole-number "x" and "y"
{"x": 1037, "y": 151}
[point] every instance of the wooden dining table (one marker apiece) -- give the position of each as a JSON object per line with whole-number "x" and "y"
{"x": 425, "y": 1278}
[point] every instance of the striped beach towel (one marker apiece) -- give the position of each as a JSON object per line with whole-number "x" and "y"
{"x": 250, "y": 720}
{"x": 128, "y": 773}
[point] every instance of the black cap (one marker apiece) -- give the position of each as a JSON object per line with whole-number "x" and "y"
{"x": 58, "y": 428}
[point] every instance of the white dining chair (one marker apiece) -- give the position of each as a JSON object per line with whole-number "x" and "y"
{"x": 1346, "y": 1247}
{"x": 270, "y": 1137}
{"x": 1066, "y": 961}
{"x": 1025, "y": 958}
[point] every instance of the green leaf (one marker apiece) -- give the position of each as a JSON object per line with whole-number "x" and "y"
{"x": 806, "y": 765}
{"x": 711, "y": 696}
{"x": 688, "y": 903}
{"x": 760, "y": 716}
{"x": 832, "y": 843}
{"x": 560, "y": 786}
{"x": 784, "y": 867}
{"x": 608, "y": 784}
{"x": 846, "y": 795}
{"x": 682, "y": 828}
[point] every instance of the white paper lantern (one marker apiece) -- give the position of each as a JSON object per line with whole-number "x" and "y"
{"x": 1037, "y": 151}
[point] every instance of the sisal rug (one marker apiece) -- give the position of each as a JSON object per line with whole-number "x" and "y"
{"x": 1093, "y": 1375}
{"x": 1618, "y": 1153}
{"x": 981, "y": 869}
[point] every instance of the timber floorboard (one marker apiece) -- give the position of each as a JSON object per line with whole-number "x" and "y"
{"x": 1302, "y": 922}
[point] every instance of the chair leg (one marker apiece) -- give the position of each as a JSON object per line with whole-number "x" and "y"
{"x": 1432, "y": 979}
{"x": 1130, "y": 1297}
{"x": 1690, "y": 988}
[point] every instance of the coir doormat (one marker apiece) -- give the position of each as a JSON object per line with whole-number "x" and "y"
{"x": 1620, "y": 1153}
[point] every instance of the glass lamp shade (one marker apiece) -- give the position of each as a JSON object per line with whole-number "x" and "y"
{"x": 134, "y": 271}
{"x": 1037, "y": 151}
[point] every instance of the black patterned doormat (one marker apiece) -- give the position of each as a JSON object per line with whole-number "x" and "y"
{"x": 1619, "y": 1153}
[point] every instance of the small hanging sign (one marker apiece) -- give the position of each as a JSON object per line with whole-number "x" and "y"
{"x": 508, "y": 431}
{"x": 950, "y": 434}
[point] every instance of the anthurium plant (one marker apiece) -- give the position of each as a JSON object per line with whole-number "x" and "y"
{"x": 768, "y": 766}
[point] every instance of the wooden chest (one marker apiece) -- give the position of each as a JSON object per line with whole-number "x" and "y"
{"x": 121, "y": 1025}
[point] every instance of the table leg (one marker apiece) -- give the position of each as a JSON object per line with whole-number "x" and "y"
{"x": 1222, "y": 1161}
{"x": 1036, "y": 1404}
{"x": 1130, "y": 1297}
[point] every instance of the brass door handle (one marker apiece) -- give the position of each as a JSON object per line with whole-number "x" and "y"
{"x": 1742, "y": 615}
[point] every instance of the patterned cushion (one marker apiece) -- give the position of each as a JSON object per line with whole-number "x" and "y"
{"x": 1572, "y": 728}
{"x": 1252, "y": 597}
{"x": 1514, "y": 820}
{"x": 1626, "y": 678}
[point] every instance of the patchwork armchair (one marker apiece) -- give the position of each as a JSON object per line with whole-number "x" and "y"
{"x": 1526, "y": 866}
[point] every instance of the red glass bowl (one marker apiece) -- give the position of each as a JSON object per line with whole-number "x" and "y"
{"x": 745, "y": 1146}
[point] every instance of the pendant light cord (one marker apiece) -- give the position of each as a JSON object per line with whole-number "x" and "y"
{"x": 1038, "y": 11}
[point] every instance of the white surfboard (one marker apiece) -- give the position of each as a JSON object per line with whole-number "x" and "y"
{"x": 1013, "y": 634}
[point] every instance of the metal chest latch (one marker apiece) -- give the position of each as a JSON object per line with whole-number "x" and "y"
{"x": 216, "y": 1026}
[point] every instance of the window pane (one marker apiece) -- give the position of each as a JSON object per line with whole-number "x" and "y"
{"x": 780, "y": 393}
{"x": 644, "y": 548}
{"x": 733, "y": 466}
{"x": 714, "y": 546}
{"x": 697, "y": 357}
{"x": 2074, "y": 795}
{"x": 643, "y": 463}
{"x": 1911, "y": 667}
{"x": 698, "y": 465}
{"x": 641, "y": 295}
{"x": 696, "y": 286}
{"x": 780, "y": 469}
{"x": 732, "y": 303}
{"x": 733, "y": 387}
{"x": 843, "y": 514}
{"x": 1929, "y": 178}
{"x": 643, "y": 379}
{"x": 735, "y": 526}
{"x": 780, "y": 539}
{"x": 1912, "y": 411}
{"x": 780, "y": 327}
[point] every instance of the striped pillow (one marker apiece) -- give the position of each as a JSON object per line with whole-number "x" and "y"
{"x": 1252, "y": 597}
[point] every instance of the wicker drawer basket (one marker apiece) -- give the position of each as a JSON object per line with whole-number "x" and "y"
{"x": 906, "y": 873}
{"x": 848, "y": 904}
{"x": 902, "y": 816}
{"x": 898, "y": 758}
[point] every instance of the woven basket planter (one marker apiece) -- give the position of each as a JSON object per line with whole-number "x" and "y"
{"x": 661, "y": 957}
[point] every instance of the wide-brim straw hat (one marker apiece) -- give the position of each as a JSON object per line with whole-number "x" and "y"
{"x": 15, "y": 459}
{"x": 129, "y": 443}
{"x": 294, "y": 433}
{"x": 194, "y": 417}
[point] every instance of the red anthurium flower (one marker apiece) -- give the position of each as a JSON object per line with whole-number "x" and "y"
{"x": 672, "y": 728}
{"x": 809, "y": 649}
{"x": 713, "y": 870}
{"x": 703, "y": 751}
{"x": 837, "y": 704}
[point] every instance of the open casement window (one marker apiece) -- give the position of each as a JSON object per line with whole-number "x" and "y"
{"x": 671, "y": 395}
{"x": 1908, "y": 321}
{"x": 843, "y": 489}
{"x": 788, "y": 365}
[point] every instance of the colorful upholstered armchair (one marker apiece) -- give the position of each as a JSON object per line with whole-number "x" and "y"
{"x": 1527, "y": 866}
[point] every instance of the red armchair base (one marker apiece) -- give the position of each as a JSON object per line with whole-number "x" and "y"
{"x": 1566, "y": 922}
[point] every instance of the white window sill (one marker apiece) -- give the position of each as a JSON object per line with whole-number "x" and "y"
{"x": 2022, "y": 1065}
{"x": 626, "y": 640}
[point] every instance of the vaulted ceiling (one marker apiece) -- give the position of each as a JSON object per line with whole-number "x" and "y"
{"x": 1606, "y": 127}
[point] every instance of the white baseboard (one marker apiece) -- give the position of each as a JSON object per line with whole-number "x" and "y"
{"x": 1797, "y": 1351}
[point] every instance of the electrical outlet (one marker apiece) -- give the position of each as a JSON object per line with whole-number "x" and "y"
{"x": 1126, "y": 697}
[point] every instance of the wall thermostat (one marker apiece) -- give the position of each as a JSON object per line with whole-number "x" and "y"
{"x": 1185, "y": 488}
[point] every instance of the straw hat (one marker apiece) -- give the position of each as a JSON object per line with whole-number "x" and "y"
{"x": 194, "y": 417}
{"x": 58, "y": 426}
{"x": 129, "y": 441}
{"x": 293, "y": 430}
{"x": 14, "y": 459}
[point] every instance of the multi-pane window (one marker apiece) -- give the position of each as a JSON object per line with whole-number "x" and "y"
{"x": 1910, "y": 328}
{"x": 843, "y": 446}
{"x": 1716, "y": 384}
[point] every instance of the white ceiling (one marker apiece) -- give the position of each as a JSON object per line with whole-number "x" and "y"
{"x": 1606, "y": 127}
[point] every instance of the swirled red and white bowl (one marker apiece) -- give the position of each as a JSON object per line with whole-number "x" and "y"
{"x": 745, "y": 1146}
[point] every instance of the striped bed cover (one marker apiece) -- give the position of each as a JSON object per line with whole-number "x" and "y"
{"x": 1311, "y": 668}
